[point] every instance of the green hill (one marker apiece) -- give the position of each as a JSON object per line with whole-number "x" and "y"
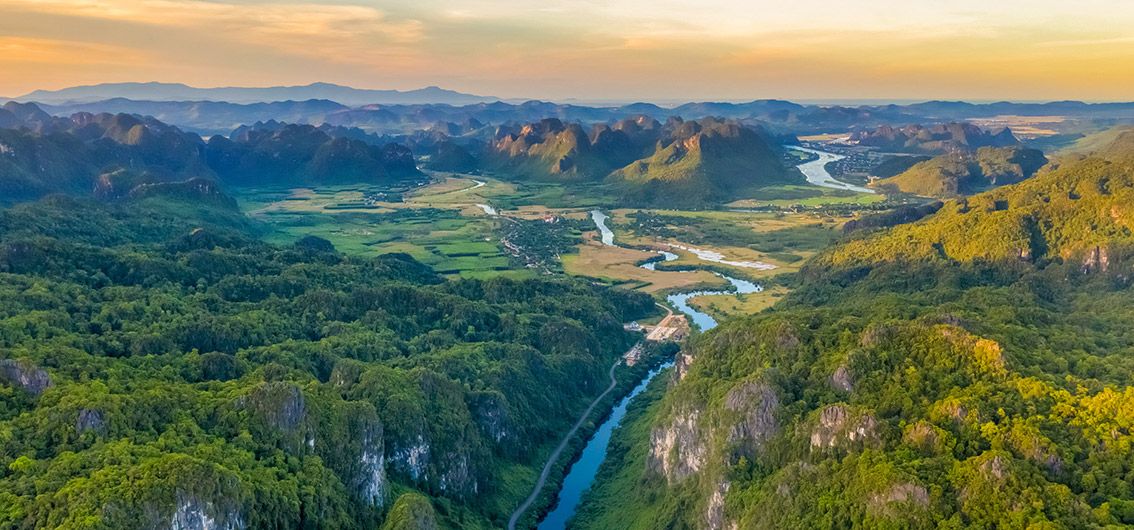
{"x": 704, "y": 162}
{"x": 161, "y": 367}
{"x": 553, "y": 150}
{"x": 963, "y": 173}
{"x": 968, "y": 370}
{"x": 105, "y": 155}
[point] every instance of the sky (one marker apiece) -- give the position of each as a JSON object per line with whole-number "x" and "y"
{"x": 590, "y": 50}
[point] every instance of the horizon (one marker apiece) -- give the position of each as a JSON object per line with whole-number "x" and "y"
{"x": 883, "y": 50}
{"x": 664, "y": 103}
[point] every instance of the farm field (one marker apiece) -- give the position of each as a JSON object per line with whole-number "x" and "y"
{"x": 444, "y": 224}
{"x": 619, "y": 266}
{"x": 446, "y": 239}
{"x": 791, "y": 195}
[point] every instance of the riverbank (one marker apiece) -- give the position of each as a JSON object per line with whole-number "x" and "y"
{"x": 559, "y": 464}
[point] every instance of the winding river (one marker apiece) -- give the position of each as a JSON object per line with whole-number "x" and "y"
{"x": 582, "y": 472}
{"x": 817, "y": 174}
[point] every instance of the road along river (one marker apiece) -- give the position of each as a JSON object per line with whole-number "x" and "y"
{"x": 582, "y": 472}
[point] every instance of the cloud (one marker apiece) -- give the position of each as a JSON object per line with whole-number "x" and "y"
{"x": 302, "y": 28}
{"x": 671, "y": 49}
{"x": 25, "y": 50}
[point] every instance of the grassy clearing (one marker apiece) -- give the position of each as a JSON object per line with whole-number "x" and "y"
{"x": 784, "y": 240}
{"x": 791, "y": 195}
{"x": 724, "y": 306}
{"x": 620, "y": 266}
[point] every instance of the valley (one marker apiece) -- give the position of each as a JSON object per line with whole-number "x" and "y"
{"x": 414, "y": 316}
{"x": 454, "y": 223}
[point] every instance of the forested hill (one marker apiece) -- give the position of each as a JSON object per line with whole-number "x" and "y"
{"x": 108, "y": 155}
{"x": 160, "y": 368}
{"x": 968, "y": 370}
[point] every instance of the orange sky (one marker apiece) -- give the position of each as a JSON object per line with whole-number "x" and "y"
{"x": 586, "y": 49}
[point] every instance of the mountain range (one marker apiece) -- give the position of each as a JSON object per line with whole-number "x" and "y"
{"x": 245, "y": 95}
{"x": 108, "y": 155}
{"x": 940, "y": 138}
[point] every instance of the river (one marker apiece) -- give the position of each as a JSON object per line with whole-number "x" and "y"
{"x": 817, "y": 174}
{"x": 582, "y": 472}
{"x": 600, "y": 221}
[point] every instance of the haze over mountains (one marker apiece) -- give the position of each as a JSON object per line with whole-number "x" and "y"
{"x": 192, "y": 328}
{"x": 154, "y": 91}
{"x": 219, "y": 110}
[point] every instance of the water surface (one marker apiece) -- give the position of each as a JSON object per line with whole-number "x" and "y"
{"x": 582, "y": 473}
{"x": 817, "y": 174}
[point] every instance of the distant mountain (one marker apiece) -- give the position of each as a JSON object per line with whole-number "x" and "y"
{"x": 965, "y": 173}
{"x": 111, "y": 155}
{"x": 40, "y": 154}
{"x": 553, "y": 149}
{"x": 304, "y": 154}
{"x": 942, "y": 138}
{"x": 209, "y": 117}
{"x": 703, "y": 162}
{"x": 679, "y": 163}
{"x": 179, "y": 92}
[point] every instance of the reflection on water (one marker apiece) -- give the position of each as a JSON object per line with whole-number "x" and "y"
{"x": 582, "y": 473}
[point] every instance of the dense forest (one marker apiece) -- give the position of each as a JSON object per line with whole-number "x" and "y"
{"x": 160, "y": 366}
{"x": 970, "y": 369}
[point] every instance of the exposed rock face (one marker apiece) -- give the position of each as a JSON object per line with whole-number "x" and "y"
{"x": 715, "y": 518}
{"x": 838, "y": 427}
{"x": 450, "y": 472}
{"x": 757, "y": 404}
{"x": 995, "y": 468}
{"x": 25, "y": 375}
{"x": 194, "y": 514}
{"x": 90, "y": 420}
{"x": 457, "y": 476}
{"x": 678, "y": 449}
{"x": 1097, "y": 260}
{"x": 681, "y": 365}
{"x": 412, "y": 460}
{"x": 280, "y": 405}
{"x": 491, "y": 416}
{"x": 277, "y": 411}
{"x": 373, "y": 486}
{"x": 841, "y": 379}
{"x": 899, "y": 497}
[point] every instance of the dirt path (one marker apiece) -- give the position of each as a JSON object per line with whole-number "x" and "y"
{"x": 551, "y": 460}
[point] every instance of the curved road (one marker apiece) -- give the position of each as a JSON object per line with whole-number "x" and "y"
{"x": 551, "y": 460}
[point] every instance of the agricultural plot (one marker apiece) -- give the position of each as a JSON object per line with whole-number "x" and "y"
{"x": 449, "y": 242}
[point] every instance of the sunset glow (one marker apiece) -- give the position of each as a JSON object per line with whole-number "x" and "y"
{"x": 628, "y": 50}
